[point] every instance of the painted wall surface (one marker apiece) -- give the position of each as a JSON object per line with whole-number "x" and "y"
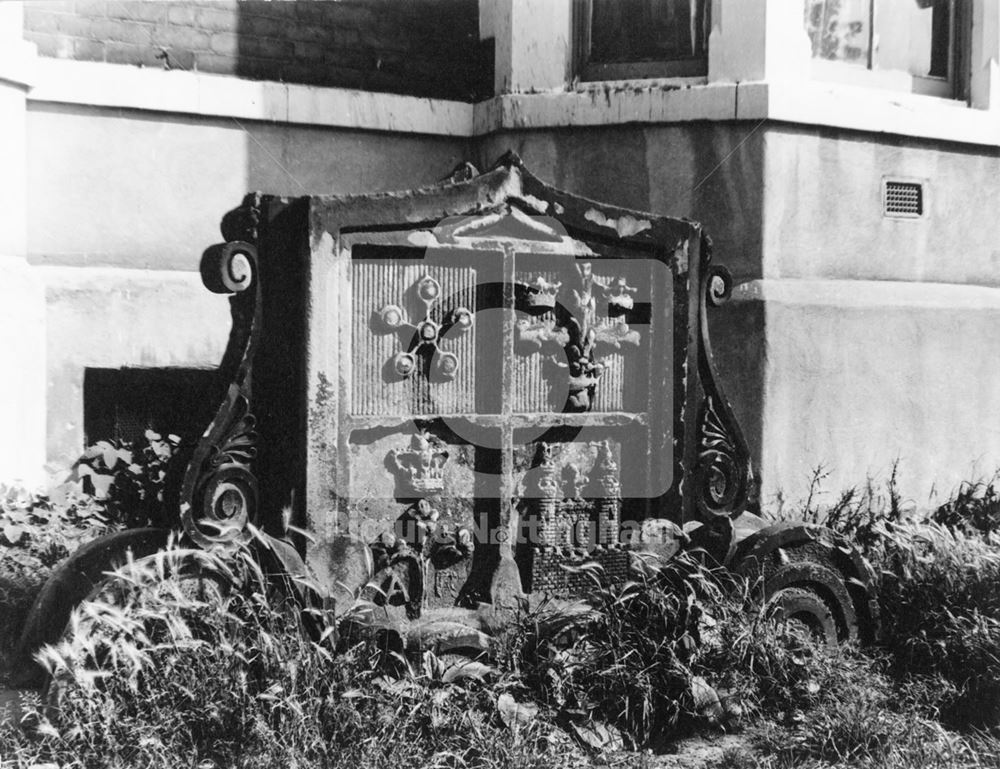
{"x": 823, "y": 211}
{"x": 826, "y": 361}
{"x": 136, "y": 197}
{"x": 22, "y": 390}
{"x": 113, "y": 318}
{"x": 826, "y": 352}
{"x": 710, "y": 172}
{"x": 22, "y": 313}
{"x": 144, "y": 190}
{"x": 858, "y": 374}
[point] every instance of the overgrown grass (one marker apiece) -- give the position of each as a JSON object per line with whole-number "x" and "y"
{"x": 928, "y": 694}
{"x": 940, "y": 595}
{"x": 938, "y": 582}
{"x": 112, "y": 485}
{"x": 166, "y": 670}
{"x": 37, "y": 532}
{"x": 625, "y": 658}
{"x": 811, "y": 706}
{"x": 975, "y": 507}
{"x": 178, "y": 671}
{"x": 171, "y": 671}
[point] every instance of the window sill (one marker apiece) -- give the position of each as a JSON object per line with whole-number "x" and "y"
{"x": 887, "y": 80}
{"x": 662, "y": 83}
{"x": 656, "y": 101}
{"x": 803, "y": 102}
{"x": 871, "y": 110}
{"x": 643, "y": 70}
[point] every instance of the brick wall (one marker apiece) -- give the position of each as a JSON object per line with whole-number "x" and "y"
{"x": 418, "y": 47}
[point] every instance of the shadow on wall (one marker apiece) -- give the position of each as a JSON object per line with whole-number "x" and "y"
{"x": 422, "y": 47}
{"x": 712, "y": 173}
{"x": 425, "y": 48}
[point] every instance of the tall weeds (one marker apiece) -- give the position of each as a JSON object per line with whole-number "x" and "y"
{"x": 624, "y": 657}
{"x": 940, "y": 595}
{"x": 188, "y": 659}
{"x": 936, "y": 664}
{"x": 167, "y": 669}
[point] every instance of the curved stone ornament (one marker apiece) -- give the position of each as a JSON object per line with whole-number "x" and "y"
{"x": 722, "y": 472}
{"x": 218, "y": 497}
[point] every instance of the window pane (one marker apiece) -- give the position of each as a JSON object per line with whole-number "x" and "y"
{"x": 648, "y": 30}
{"x": 839, "y": 29}
{"x": 912, "y": 36}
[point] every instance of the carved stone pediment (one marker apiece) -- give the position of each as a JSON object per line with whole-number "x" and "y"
{"x": 492, "y": 348}
{"x": 509, "y": 222}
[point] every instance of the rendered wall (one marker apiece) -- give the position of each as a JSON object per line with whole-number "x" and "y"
{"x": 823, "y": 216}
{"x": 710, "y": 172}
{"x": 147, "y": 190}
{"x": 22, "y": 314}
{"x": 858, "y": 374}
{"x": 136, "y": 197}
{"x": 882, "y": 335}
{"x": 854, "y": 339}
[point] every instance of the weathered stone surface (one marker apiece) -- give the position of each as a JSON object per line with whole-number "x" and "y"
{"x": 458, "y": 633}
{"x": 471, "y": 474}
{"x": 446, "y": 635}
{"x": 516, "y": 714}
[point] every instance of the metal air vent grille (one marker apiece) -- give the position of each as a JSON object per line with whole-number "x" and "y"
{"x": 904, "y": 199}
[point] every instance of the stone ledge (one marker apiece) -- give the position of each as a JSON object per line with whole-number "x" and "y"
{"x": 114, "y": 85}
{"x": 868, "y": 293}
{"x": 592, "y": 104}
{"x": 18, "y": 64}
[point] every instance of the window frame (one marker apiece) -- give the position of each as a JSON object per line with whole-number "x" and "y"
{"x": 955, "y": 85}
{"x": 590, "y": 71}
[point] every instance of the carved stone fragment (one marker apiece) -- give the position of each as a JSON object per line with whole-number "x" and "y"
{"x": 421, "y": 340}
{"x": 419, "y": 470}
{"x": 571, "y": 335}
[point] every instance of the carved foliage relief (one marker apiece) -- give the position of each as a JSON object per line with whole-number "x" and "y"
{"x": 574, "y": 338}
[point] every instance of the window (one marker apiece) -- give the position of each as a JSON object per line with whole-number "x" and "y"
{"x": 916, "y": 45}
{"x": 620, "y": 39}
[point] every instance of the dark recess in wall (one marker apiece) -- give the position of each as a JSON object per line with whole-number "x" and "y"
{"x": 121, "y": 404}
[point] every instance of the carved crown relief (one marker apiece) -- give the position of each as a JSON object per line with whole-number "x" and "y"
{"x": 568, "y": 329}
{"x": 419, "y": 470}
{"x": 422, "y": 340}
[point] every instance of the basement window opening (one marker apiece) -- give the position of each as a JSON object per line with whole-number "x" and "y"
{"x": 122, "y": 404}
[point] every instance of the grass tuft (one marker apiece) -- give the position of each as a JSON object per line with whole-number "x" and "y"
{"x": 191, "y": 659}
